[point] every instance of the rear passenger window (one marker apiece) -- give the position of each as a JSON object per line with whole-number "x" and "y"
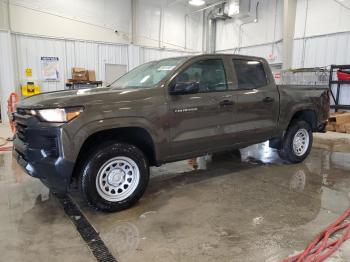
{"x": 210, "y": 74}
{"x": 250, "y": 74}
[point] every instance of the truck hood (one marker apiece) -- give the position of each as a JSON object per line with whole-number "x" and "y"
{"x": 69, "y": 98}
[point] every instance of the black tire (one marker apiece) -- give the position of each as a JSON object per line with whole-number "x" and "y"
{"x": 287, "y": 152}
{"x": 97, "y": 159}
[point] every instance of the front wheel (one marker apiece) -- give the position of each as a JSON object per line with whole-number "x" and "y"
{"x": 114, "y": 177}
{"x": 297, "y": 142}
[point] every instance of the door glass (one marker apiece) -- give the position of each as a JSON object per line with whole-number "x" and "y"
{"x": 250, "y": 74}
{"x": 210, "y": 74}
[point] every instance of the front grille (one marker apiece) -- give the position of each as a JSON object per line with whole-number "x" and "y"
{"x": 34, "y": 136}
{"x": 52, "y": 145}
{"x": 21, "y": 131}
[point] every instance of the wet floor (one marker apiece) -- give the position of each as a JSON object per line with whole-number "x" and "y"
{"x": 251, "y": 207}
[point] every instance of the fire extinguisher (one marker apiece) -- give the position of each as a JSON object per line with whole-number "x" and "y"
{"x": 11, "y": 107}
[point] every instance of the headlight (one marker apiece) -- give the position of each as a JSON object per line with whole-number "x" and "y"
{"x": 59, "y": 115}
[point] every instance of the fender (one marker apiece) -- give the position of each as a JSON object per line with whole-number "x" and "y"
{"x": 75, "y": 141}
{"x": 295, "y": 109}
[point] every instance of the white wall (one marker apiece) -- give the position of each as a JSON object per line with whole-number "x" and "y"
{"x": 81, "y": 33}
{"x": 256, "y": 38}
{"x": 322, "y": 17}
{"x": 321, "y": 51}
{"x": 7, "y": 74}
{"x": 3, "y": 15}
{"x": 79, "y": 19}
{"x": 90, "y": 55}
{"x": 161, "y": 23}
{"x": 322, "y": 33}
{"x": 18, "y": 52}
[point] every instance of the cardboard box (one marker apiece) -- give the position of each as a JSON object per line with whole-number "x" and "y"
{"x": 340, "y": 128}
{"x": 91, "y": 75}
{"x": 78, "y": 69}
{"x": 347, "y": 128}
{"x": 330, "y": 127}
{"x": 340, "y": 118}
{"x": 80, "y": 74}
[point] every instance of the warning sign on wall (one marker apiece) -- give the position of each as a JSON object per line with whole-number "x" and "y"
{"x": 29, "y": 72}
{"x": 50, "y": 68}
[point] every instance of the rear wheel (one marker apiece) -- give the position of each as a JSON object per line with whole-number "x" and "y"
{"x": 114, "y": 177}
{"x": 297, "y": 142}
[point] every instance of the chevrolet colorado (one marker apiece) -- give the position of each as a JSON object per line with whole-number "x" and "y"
{"x": 162, "y": 111}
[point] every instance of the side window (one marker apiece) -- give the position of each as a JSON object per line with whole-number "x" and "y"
{"x": 250, "y": 74}
{"x": 210, "y": 74}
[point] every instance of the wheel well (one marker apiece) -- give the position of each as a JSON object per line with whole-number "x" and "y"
{"x": 136, "y": 136}
{"x": 307, "y": 115}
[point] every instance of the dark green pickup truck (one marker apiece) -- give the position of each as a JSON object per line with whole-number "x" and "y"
{"x": 162, "y": 111}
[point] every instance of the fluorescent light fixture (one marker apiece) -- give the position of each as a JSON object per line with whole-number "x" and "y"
{"x": 233, "y": 8}
{"x": 196, "y": 2}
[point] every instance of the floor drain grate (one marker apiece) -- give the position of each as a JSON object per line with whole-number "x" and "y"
{"x": 85, "y": 229}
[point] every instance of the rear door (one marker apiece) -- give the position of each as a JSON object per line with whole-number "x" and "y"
{"x": 257, "y": 100}
{"x": 197, "y": 119}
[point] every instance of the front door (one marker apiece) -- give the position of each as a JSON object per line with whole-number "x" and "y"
{"x": 197, "y": 119}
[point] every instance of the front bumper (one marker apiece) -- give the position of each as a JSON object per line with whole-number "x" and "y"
{"x": 38, "y": 151}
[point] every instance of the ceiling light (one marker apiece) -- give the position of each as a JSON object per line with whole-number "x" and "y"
{"x": 196, "y": 2}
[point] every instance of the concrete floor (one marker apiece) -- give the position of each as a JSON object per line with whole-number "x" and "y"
{"x": 253, "y": 208}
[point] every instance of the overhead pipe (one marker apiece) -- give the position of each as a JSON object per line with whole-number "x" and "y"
{"x": 197, "y": 11}
{"x": 211, "y": 33}
{"x": 255, "y": 20}
{"x": 213, "y": 16}
{"x": 160, "y": 26}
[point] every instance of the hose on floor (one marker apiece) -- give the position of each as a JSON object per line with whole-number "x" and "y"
{"x": 326, "y": 243}
{"x": 3, "y": 146}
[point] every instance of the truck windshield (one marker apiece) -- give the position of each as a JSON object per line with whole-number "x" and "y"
{"x": 147, "y": 75}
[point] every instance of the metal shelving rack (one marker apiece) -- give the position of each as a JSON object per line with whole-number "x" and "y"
{"x": 339, "y": 84}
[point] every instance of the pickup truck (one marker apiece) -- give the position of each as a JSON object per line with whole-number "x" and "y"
{"x": 105, "y": 139}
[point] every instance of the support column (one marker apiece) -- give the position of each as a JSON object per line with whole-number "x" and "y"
{"x": 7, "y": 72}
{"x": 7, "y": 76}
{"x": 289, "y": 11}
{"x": 134, "y": 4}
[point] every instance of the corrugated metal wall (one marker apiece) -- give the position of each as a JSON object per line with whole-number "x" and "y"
{"x": 89, "y": 55}
{"x": 322, "y": 50}
{"x": 261, "y": 51}
{"x": 19, "y": 52}
{"x": 149, "y": 54}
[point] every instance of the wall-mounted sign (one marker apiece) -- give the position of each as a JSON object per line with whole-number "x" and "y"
{"x": 29, "y": 72}
{"x": 50, "y": 68}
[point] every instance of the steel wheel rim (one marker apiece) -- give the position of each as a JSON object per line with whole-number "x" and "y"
{"x": 117, "y": 179}
{"x": 301, "y": 142}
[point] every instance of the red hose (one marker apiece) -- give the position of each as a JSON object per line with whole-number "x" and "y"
{"x": 5, "y": 148}
{"x": 320, "y": 248}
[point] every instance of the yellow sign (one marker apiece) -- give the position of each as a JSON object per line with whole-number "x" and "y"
{"x": 30, "y": 89}
{"x": 29, "y": 72}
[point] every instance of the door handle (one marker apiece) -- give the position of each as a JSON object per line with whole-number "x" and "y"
{"x": 226, "y": 102}
{"x": 268, "y": 99}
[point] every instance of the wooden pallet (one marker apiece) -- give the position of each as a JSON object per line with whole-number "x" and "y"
{"x": 339, "y": 122}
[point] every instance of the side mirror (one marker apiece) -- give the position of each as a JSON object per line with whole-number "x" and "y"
{"x": 184, "y": 88}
